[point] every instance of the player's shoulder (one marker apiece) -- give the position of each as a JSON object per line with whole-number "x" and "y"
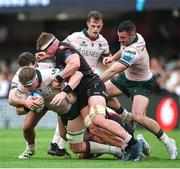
{"x": 44, "y": 71}
{"x": 139, "y": 41}
{"x": 102, "y": 38}
{"x": 75, "y": 35}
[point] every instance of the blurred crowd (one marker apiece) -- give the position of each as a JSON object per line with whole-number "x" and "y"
{"x": 166, "y": 73}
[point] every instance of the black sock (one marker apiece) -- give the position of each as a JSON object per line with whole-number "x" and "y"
{"x": 160, "y": 133}
{"x": 131, "y": 143}
{"x": 87, "y": 147}
{"x": 120, "y": 110}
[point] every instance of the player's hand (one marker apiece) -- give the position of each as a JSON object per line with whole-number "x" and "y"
{"x": 40, "y": 101}
{"x": 40, "y": 56}
{"x": 20, "y": 111}
{"x": 107, "y": 61}
{"x": 57, "y": 85}
{"x": 33, "y": 103}
{"x": 59, "y": 98}
{"x": 71, "y": 98}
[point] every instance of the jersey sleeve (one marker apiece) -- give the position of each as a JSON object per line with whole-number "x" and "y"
{"x": 105, "y": 47}
{"x": 21, "y": 92}
{"x": 15, "y": 81}
{"x": 128, "y": 56}
{"x": 69, "y": 39}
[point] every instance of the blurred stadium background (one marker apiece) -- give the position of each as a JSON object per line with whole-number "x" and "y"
{"x": 21, "y": 22}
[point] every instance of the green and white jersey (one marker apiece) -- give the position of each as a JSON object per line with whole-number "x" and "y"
{"x": 46, "y": 76}
{"x": 15, "y": 79}
{"x": 90, "y": 49}
{"x": 136, "y": 58}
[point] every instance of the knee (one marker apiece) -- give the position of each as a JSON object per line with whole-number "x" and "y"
{"x": 96, "y": 113}
{"x": 92, "y": 129}
{"x": 27, "y": 127}
{"x": 137, "y": 117}
{"x": 99, "y": 120}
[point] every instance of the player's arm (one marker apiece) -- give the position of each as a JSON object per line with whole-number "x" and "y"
{"x": 73, "y": 82}
{"x": 14, "y": 99}
{"x": 18, "y": 99}
{"x": 117, "y": 67}
{"x": 110, "y": 59}
{"x": 17, "y": 102}
{"x": 72, "y": 65}
{"x": 41, "y": 56}
{"x": 75, "y": 79}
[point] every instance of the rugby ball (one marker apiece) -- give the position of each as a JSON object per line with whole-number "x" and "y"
{"x": 37, "y": 95}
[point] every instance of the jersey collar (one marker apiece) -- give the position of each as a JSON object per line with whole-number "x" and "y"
{"x": 86, "y": 34}
{"x": 135, "y": 40}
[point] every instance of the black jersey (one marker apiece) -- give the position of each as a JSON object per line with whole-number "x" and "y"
{"x": 90, "y": 84}
{"x": 64, "y": 51}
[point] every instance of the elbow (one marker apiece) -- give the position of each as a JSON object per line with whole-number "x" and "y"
{"x": 76, "y": 66}
{"x": 112, "y": 72}
{"x": 10, "y": 100}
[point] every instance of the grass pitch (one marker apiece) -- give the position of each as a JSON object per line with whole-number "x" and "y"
{"x": 12, "y": 144}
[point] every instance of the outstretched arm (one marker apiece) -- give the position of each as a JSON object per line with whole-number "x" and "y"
{"x": 117, "y": 67}
{"x": 110, "y": 59}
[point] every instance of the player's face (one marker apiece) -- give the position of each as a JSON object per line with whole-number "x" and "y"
{"x": 94, "y": 28}
{"x": 52, "y": 49}
{"x": 125, "y": 38}
{"x": 32, "y": 87}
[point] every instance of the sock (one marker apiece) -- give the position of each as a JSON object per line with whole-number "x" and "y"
{"x": 160, "y": 133}
{"x": 164, "y": 138}
{"x": 30, "y": 147}
{"x": 128, "y": 138}
{"x": 103, "y": 148}
{"x": 120, "y": 110}
{"x": 124, "y": 146}
{"x": 56, "y": 136}
{"x": 61, "y": 143}
{"x": 126, "y": 115}
{"x": 129, "y": 142}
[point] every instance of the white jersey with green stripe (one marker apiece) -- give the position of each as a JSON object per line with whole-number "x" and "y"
{"x": 46, "y": 76}
{"x": 15, "y": 79}
{"x": 136, "y": 58}
{"x": 90, "y": 49}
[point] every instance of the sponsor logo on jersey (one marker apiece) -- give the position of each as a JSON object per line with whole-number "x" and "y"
{"x": 127, "y": 58}
{"x": 130, "y": 52}
{"x": 83, "y": 44}
{"x": 89, "y": 53}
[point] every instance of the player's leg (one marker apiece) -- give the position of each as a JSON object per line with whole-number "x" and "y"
{"x": 139, "y": 107}
{"x": 57, "y": 146}
{"x": 114, "y": 103}
{"x": 30, "y": 121}
{"x": 75, "y": 135}
{"x": 97, "y": 117}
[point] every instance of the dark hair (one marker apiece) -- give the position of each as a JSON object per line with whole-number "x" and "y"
{"x": 95, "y": 15}
{"x": 127, "y": 26}
{"x": 25, "y": 59}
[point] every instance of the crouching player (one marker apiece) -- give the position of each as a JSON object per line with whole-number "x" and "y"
{"x": 23, "y": 105}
